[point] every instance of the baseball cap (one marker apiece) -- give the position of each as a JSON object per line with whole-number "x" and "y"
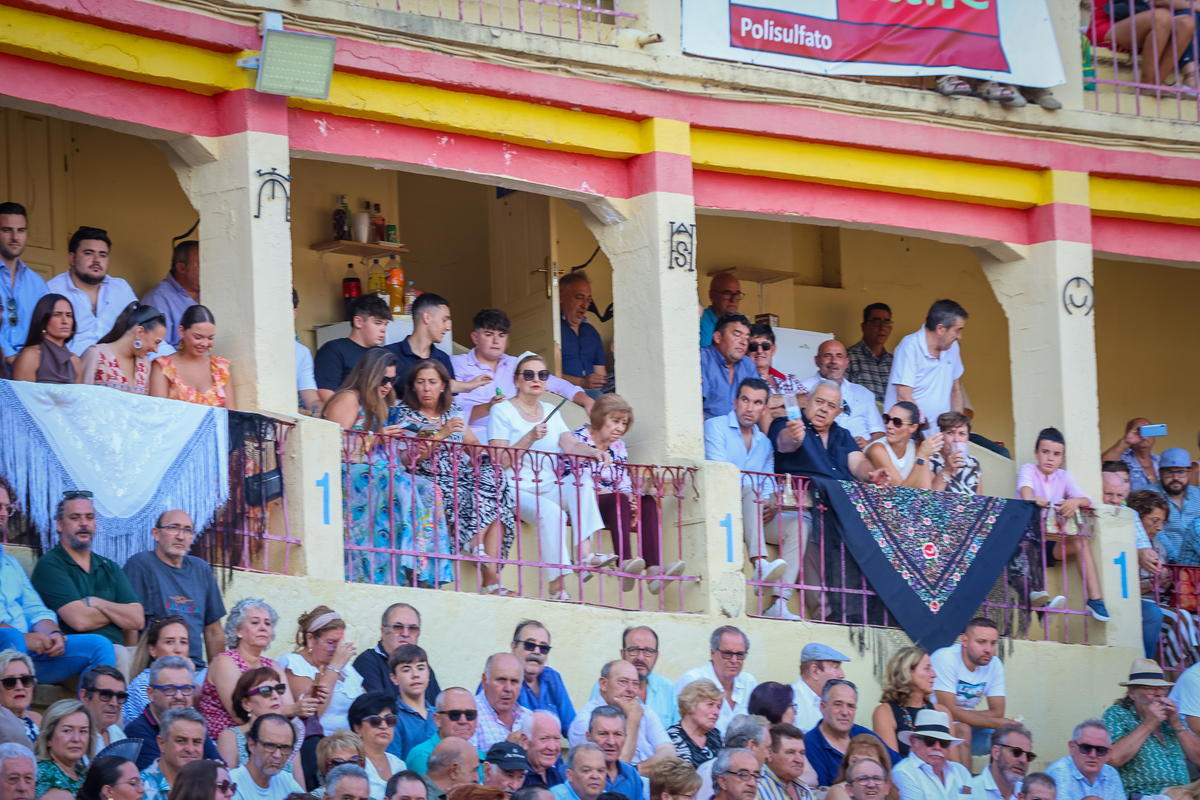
{"x": 820, "y": 652}
{"x": 507, "y": 756}
{"x": 1174, "y": 458}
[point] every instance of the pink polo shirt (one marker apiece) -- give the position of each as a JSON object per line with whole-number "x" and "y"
{"x": 467, "y": 368}
{"x": 1055, "y": 488}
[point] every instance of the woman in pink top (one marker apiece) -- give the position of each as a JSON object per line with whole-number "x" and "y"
{"x": 1057, "y": 491}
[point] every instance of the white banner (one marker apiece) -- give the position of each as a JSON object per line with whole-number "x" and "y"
{"x": 1011, "y": 41}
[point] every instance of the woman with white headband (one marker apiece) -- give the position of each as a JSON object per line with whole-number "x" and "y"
{"x": 320, "y": 668}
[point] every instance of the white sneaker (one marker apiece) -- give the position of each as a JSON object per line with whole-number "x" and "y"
{"x": 633, "y": 566}
{"x": 768, "y": 572}
{"x": 1058, "y": 602}
{"x": 672, "y": 570}
{"x": 779, "y": 610}
{"x": 1038, "y": 599}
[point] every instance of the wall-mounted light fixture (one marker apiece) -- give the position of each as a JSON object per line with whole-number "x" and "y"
{"x": 292, "y": 64}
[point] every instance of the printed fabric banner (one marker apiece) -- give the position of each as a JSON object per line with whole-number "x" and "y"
{"x": 1011, "y": 41}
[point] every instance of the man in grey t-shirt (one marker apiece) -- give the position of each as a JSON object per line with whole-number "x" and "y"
{"x": 169, "y": 582}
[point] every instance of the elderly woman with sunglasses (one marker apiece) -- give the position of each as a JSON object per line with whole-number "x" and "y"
{"x": 16, "y": 690}
{"x": 373, "y": 717}
{"x": 525, "y": 422}
{"x": 337, "y": 750}
{"x": 761, "y": 351}
{"x": 259, "y": 691}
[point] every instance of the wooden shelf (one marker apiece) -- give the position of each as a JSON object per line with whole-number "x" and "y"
{"x": 360, "y": 249}
{"x": 755, "y": 275}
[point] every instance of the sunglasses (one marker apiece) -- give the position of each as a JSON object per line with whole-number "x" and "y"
{"x": 386, "y": 383}
{"x": 11, "y": 305}
{"x": 11, "y": 683}
{"x": 529, "y": 374}
{"x": 895, "y": 421}
{"x": 357, "y": 761}
{"x": 267, "y": 691}
{"x": 458, "y": 714}
{"x": 933, "y": 741}
{"x": 227, "y": 787}
{"x": 1018, "y": 752}
{"x": 1088, "y": 749}
{"x": 375, "y": 720}
{"x": 107, "y": 695}
{"x": 754, "y": 347}
{"x": 77, "y": 494}
{"x": 544, "y": 649}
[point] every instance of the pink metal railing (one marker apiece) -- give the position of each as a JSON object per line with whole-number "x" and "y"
{"x": 831, "y": 588}
{"x": 1134, "y": 79}
{"x": 592, "y": 20}
{"x": 401, "y": 496}
{"x": 1178, "y": 594}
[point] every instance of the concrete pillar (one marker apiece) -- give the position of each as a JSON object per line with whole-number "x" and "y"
{"x": 656, "y": 324}
{"x": 246, "y": 263}
{"x": 313, "y": 476}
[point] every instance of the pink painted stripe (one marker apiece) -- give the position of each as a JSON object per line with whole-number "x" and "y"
{"x": 346, "y": 136}
{"x": 247, "y": 110}
{"x": 1060, "y": 222}
{"x": 159, "y": 22}
{"x": 1157, "y": 240}
{"x": 660, "y": 172}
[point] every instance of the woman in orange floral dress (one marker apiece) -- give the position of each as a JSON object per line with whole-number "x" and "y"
{"x": 192, "y": 374}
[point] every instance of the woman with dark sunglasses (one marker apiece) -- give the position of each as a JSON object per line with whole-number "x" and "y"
{"x": 336, "y": 750}
{"x": 259, "y": 691}
{"x": 16, "y": 690}
{"x": 904, "y": 451}
{"x": 202, "y": 780}
{"x": 373, "y": 717}
{"x": 761, "y": 351}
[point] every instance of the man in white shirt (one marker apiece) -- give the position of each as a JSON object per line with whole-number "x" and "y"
{"x": 102, "y": 690}
{"x": 646, "y": 740}
{"x": 306, "y": 381}
{"x": 639, "y": 646}
{"x": 1186, "y": 695}
{"x": 270, "y": 743}
{"x": 1011, "y": 755}
{"x": 728, "y": 649}
{"x": 859, "y": 414}
{"x": 928, "y": 366}
{"x": 967, "y": 672}
{"x": 96, "y": 297}
{"x": 819, "y": 664}
{"x": 928, "y": 773}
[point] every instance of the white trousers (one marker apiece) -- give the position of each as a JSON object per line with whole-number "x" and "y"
{"x": 783, "y": 530}
{"x": 548, "y": 505}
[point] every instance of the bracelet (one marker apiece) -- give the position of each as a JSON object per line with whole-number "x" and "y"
{"x": 335, "y": 669}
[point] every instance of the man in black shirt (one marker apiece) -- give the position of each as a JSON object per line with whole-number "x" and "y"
{"x": 369, "y": 319}
{"x": 401, "y": 625}
{"x": 431, "y": 323}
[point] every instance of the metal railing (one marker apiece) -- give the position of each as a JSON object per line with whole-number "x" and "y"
{"x": 1142, "y": 67}
{"x": 417, "y": 512}
{"x": 830, "y": 587}
{"x": 583, "y": 20}
{"x": 1178, "y": 595}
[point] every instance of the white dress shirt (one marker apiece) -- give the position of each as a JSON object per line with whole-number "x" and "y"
{"x": 807, "y": 704}
{"x": 915, "y": 780}
{"x": 864, "y": 418}
{"x": 114, "y": 297}
{"x": 651, "y": 733}
{"x": 985, "y": 786}
{"x": 743, "y": 685}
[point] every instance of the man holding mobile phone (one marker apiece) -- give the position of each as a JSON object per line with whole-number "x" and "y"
{"x": 1136, "y": 450}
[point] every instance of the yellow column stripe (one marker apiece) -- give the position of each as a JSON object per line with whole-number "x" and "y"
{"x": 1156, "y": 202}
{"x": 1065, "y": 187}
{"x": 666, "y": 136}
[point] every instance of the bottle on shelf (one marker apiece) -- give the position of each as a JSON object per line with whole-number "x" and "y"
{"x": 351, "y": 288}
{"x": 380, "y": 225}
{"x": 377, "y": 280}
{"x": 362, "y": 224}
{"x": 395, "y": 286}
{"x": 341, "y": 220}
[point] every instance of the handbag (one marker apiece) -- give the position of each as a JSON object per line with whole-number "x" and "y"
{"x": 264, "y": 487}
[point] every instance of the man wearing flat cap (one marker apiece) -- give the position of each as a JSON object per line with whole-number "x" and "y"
{"x": 819, "y": 664}
{"x": 928, "y": 773}
{"x": 1149, "y": 738}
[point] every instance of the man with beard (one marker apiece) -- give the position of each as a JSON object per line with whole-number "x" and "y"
{"x": 20, "y": 287}
{"x": 543, "y": 687}
{"x": 1181, "y": 543}
{"x": 270, "y": 744}
{"x": 1011, "y": 756}
{"x": 29, "y": 627}
{"x": 639, "y": 646}
{"x": 90, "y": 593}
{"x": 97, "y": 297}
{"x": 967, "y": 672}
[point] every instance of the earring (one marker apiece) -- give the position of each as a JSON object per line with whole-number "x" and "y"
{"x": 137, "y": 344}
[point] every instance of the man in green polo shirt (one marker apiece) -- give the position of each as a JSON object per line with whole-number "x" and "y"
{"x": 90, "y": 593}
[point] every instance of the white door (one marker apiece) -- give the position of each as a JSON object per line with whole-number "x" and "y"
{"x": 523, "y": 272}
{"x": 33, "y": 172}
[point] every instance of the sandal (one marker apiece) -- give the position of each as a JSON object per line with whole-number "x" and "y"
{"x": 1000, "y": 93}
{"x": 561, "y": 596}
{"x": 1043, "y": 97}
{"x": 497, "y": 590}
{"x": 596, "y": 561}
{"x": 952, "y": 86}
{"x": 673, "y": 570}
{"x": 632, "y": 566}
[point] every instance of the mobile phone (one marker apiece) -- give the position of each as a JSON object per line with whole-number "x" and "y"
{"x": 1149, "y": 431}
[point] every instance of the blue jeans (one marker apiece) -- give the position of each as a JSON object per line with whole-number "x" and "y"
{"x": 981, "y": 741}
{"x": 1152, "y": 619}
{"x": 83, "y": 651}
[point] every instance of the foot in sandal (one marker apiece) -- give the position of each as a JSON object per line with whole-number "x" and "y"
{"x": 952, "y": 86}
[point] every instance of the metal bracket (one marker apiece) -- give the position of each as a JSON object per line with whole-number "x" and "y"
{"x": 253, "y": 62}
{"x": 274, "y": 179}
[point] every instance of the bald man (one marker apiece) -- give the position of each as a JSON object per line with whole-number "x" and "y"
{"x": 452, "y": 763}
{"x": 860, "y": 415}
{"x": 500, "y": 714}
{"x": 724, "y": 294}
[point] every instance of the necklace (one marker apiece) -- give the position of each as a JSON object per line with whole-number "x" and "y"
{"x": 529, "y": 411}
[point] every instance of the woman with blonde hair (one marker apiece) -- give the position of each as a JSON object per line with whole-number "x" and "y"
{"x": 338, "y": 749}
{"x": 907, "y": 689}
{"x": 674, "y": 779}
{"x": 862, "y": 746}
{"x": 67, "y": 738}
{"x": 695, "y": 736}
{"x": 610, "y": 419}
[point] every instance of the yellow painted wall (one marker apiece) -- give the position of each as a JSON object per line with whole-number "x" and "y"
{"x": 1148, "y": 365}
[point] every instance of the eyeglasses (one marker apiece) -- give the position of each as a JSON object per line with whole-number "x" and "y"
{"x": 1173, "y": 473}
{"x": 271, "y": 747}
{"x": 108, "y": 695}
{"x": 895, "y": 421}
{"x": 135, "y": 782}
{"x": 178, "y": 529}
{"x": 933, "y": 741}
{"x": 886, "y": 323}
{"x": 754, "y": 347}
{"x": 529, "y": 374}
{"x": 171, "y": 689}
{"x": 1018, "y": 752}
{"x": 1088, "y": 749}
{"x": 227, "y": 787}
{"x": 733, "y": 655}
{"x": 375, "y": 720}
{"x": 267, "y": 692}
{"x": 642, "y": 651}
{"x": 11, "y": 305}
{"x": 11, "y": 683}
{"x": 459, "y": 713}
{"x": 400, "y": 628}
{"x": 731, "y": 295}
{"x": 544, "y": 649}
{"x": 357, "y": 761}
{"x": 746, "y": 775}
{"x": 77, "y": 494}
{"x": 868, "y": 780}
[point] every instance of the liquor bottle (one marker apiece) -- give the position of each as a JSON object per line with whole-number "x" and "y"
{"x": 351, "y": 288}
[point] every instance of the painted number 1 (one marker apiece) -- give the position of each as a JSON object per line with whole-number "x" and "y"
{"x": 1120, "y": 561}
{"x": 324, "y": 485}
{"x": 727, "y": 524}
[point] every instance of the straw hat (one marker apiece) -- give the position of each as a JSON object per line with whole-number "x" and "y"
{"x": 930, "y": 723}
{"x": 1146, "y": 672}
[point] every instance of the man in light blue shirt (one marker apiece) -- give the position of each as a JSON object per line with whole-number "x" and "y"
{"x": 606, "y": 730}
{"x": 1086, "y": 771}
{"x": 725, "y": 294}
{"x": 586, "y": 774}
{"x": 96, "y": 297}
{"x": 20, "y": 287}
{"x": 736, "y": 438}
{"x": 180, "y": 290}
{"x": 724, "y": 365}
{"x": 639, "y": 646}
{"x": 27, "y": 626}
{"x": 928, "y": 773}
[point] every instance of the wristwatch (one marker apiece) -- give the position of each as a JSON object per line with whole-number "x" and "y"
{"x": 920, "y": 461}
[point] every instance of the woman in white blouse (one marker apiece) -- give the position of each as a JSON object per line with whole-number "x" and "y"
{"x": 903, "y": 452}
{"x": 527, "y": 423}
